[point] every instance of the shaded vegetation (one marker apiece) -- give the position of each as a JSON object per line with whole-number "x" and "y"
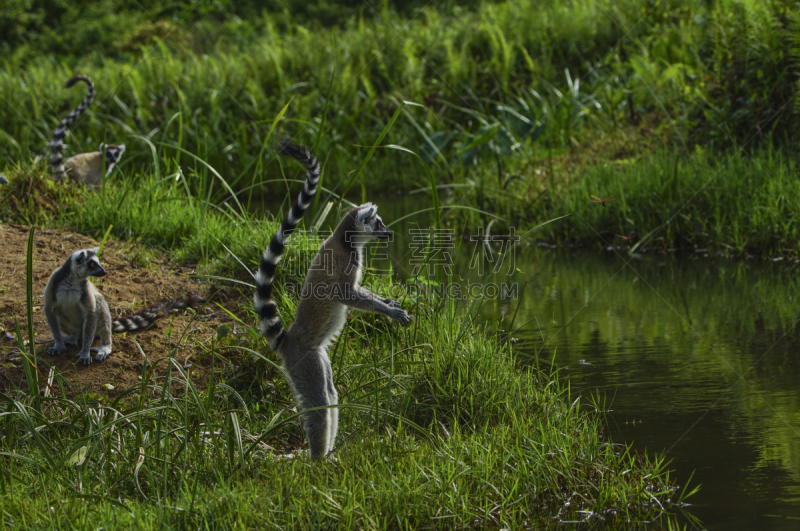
{"x": 517, "y": 76}
{"x": 513, "y": 98}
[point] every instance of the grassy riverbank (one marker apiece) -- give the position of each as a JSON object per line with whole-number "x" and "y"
{"x": 440, "y": 424}
{"x": 732, "y": 204}
{"x": 684, "y": 115}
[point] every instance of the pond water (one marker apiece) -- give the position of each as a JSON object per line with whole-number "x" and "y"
{"x": 696, "y": 358}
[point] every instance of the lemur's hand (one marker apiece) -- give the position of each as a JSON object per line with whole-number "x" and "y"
{"x": 56, "y": 349}
{"x": 86, "y": 357}
{"x": 390, "y": 302}
{"x": 401, "y": 316}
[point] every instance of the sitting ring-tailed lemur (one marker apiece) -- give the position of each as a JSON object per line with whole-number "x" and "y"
{"x": 73, "y": 305}
{"x": 86, "y": 168}
{"x": 331, "y": 285}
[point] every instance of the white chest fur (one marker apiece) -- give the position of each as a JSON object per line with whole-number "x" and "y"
{"x": 334, "y": 325}
{"x": 359, "y": 265}
{"x": 69, "y": 307}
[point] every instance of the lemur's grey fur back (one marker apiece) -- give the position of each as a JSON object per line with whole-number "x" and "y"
{"x": 57, "y": 145}
{"x": 269, "y": 323}
{"x": 145, "y": 318}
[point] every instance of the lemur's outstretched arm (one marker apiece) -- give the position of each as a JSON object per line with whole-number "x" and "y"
{"x": 362, "y": 299}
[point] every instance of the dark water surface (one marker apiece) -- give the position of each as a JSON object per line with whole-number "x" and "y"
{"x": 697, "y": 358}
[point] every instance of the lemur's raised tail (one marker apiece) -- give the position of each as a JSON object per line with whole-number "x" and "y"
{"x": 57, "y": 145}
{"x": 145, "y": 318}
{"x": 269, "y": 323}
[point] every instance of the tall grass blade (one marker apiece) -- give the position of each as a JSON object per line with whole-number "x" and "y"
{"x": 365, "y": 160}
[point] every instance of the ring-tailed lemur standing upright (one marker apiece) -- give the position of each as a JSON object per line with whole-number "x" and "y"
{"x": 331, "y": 285}
{"x": 74, "y": 306}
{"x": 86, "y": 167}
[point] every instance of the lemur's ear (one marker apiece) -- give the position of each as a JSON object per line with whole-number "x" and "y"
{"x": 81, "y": 257}
{"x": 102, "y": 147}
{"x": 366, "y": 211}
{"x": 95, "y": 250}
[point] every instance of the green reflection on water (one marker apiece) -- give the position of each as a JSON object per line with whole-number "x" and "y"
{"x": 704, "y": 352}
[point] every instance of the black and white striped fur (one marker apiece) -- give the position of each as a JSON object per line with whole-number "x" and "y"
{"x": 57, "y": 145}
{"x": 145, "y": 318}
{"x": 3, "y": 179}
{"x": 269, "y": 324}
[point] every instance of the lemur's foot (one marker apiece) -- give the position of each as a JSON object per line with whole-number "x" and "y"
{"x": 103, "y": 351}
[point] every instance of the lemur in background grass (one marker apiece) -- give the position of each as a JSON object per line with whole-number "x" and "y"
{"x": 86, "y": 168}
{"x": 331, "y": 286}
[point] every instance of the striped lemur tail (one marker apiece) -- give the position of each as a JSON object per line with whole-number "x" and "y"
{"x": 269, "y": 324}
{"x": 57, "y": 145}
{"x": 145, "y": 318}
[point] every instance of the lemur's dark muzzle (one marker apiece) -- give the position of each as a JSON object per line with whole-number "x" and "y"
{"x": 99, "y": 272}
{"x": 385, "y": 234}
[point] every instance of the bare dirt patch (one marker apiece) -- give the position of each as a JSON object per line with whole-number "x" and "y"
{"x": 137, "y": 278}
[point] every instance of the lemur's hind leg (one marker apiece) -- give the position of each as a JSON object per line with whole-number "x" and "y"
{"x": 103, "y": 330}
{"x": 307, "y": 372}
{"x": 333, "y": 398}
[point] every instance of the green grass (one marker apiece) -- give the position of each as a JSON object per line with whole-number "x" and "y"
{"x": 727, "y": 203}
{"x": 516, "y": 76}
{"x": 495, "y": 446}
{"x": 440, "y": 424}
{"x": 501, "y": 90}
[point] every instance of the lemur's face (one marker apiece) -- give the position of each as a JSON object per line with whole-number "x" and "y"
{"x": 370, "y": 224}
{"x": 112, "y": 153}
{"x": 86, "y": 264}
